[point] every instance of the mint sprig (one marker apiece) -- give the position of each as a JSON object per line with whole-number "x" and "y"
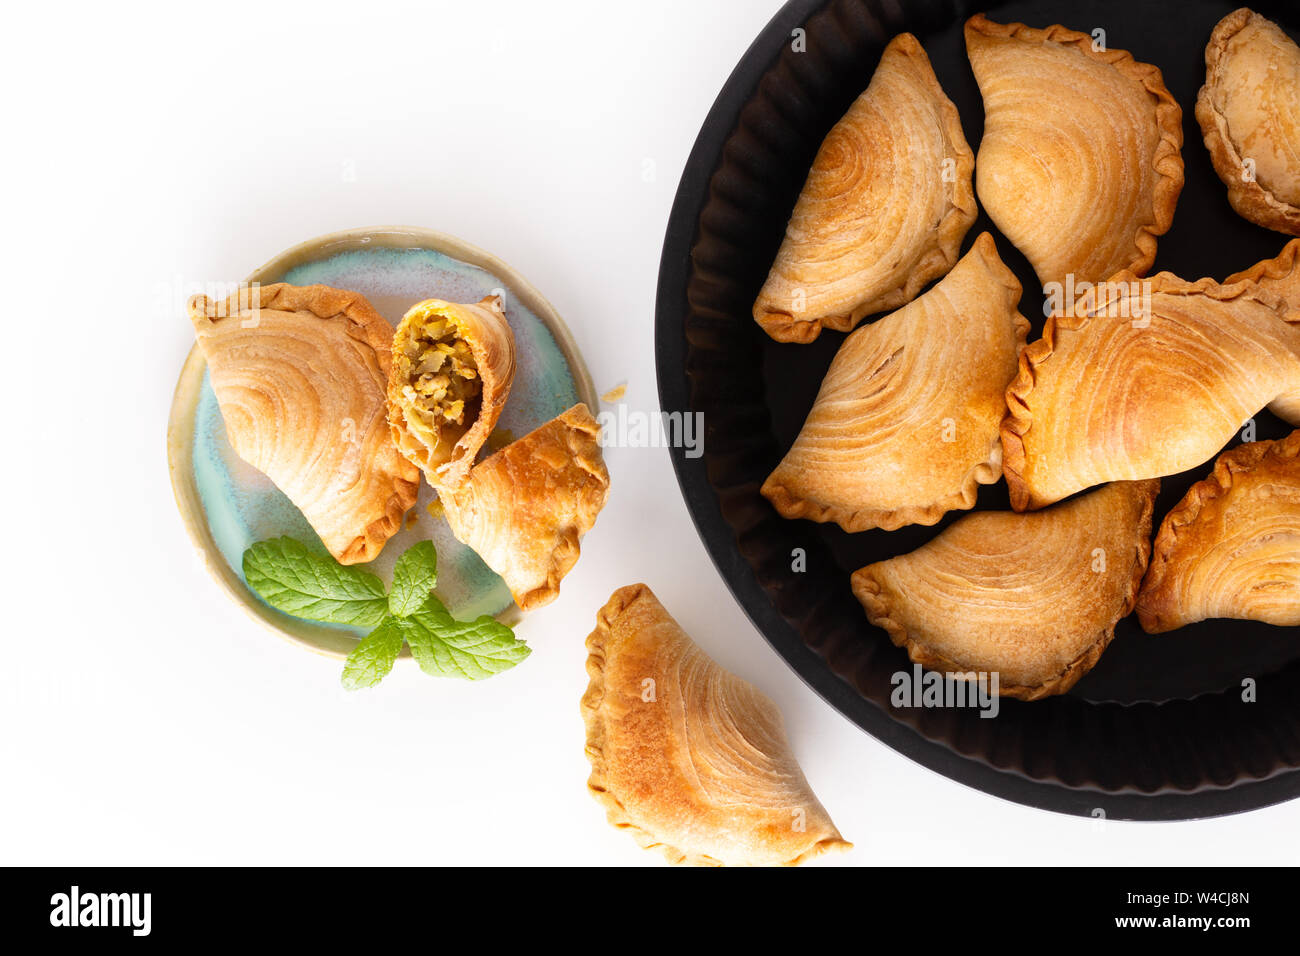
{"x": 372, "y": 659}
{"x": 298, "y": 581}
{"x": 445, "y": 647}
{"x": 302, "y": 583}
{"x": 414, "y": 576}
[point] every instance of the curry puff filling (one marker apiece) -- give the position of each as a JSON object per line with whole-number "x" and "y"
{"x": 441, "y": 384}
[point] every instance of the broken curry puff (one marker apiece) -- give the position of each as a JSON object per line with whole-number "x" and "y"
{"x": 452, "y": 368}
{"x": 525, "y": 508}
{"x": 300, "y": 374}
{"x": 689, "y": 758}
{"x": 1032, "y": 597}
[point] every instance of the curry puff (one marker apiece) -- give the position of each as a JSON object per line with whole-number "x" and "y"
{"x": 1249, "y": 111}
{"x": 525, "y": 508}
{"x": 1033, "y": 598}
{"x": 1231, "y": 548}
{"x": 300, "y": 375}
{"x": 1080, "y": 164}
{"x": 905, "y": 426}
{"x": 452, "y": 369}
{"x": 883, "y": 211}
{"x": 1145, "y": 378}
{"x": 688, "y": 758}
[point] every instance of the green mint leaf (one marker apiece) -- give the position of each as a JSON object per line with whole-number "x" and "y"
{"x": 445, "y": 647}
{"x": 372, "y": 658}
{"x": 305, "y": 584}
{"x": 414, "y": 576}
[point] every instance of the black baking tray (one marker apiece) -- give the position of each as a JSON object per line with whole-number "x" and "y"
{"x": 1159, "y": 730}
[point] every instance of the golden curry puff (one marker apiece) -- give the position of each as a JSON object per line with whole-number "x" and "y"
{"x": 883, "y": 211}
{"x": 300, "y": 374}
{"x": 453, "y": 365}
{"x": 905, "y": 425}
{"x": 525, "y": 508}
{"x": 1033, "y": 598}
{"x": 1249, "y": 112}
{"x": 1145, "y": 378}
{"x": 1080, "y": 163}
{"x": 688, "y": 758}
{"x": 1231, "y": 547}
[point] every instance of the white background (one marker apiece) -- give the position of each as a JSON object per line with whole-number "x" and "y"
{"x": 145, "y": 718}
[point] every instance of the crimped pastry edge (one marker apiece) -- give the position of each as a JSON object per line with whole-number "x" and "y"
{"x": 365, "y": 325}
{"x": 1155, "y": 602}
{"x": 951, "y": 230}
{"x": 1280, "y": 267}
{"x": 987, "y": 472}
{"x": 1167, "y": 162}
{"x": 568, "y": 549}
{"x": 567, "y": 552}
{"x": 1250, "y": 200}
{"x": 617, "y": 815}
{"x": 879, "y": 609}
{"x": 1019, "y": 419}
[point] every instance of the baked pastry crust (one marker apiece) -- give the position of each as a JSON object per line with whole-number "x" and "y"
{"x": 525, "y": 508}
{"x": 1102, "y": 397}
{"x": 688, "y": 758}
{"x": 1080, "y": 164}
{"x": 425, "y": 430}
{"x": 1231, "y": 548}
{"x": 905, "y": 426}
{"x": 300, "y": 373}
{"x": 884, "y": 209}
{"x": 1031, "y": 597}
{"x": 1278, "y": 276}
{"x": 1249, "y": 109}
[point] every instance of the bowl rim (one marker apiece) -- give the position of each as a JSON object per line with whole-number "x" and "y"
{"x": 322, "y": 638}
{"x": 718, "y": 537}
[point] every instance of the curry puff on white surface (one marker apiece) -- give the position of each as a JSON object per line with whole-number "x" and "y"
{"x": 689, "y": 758}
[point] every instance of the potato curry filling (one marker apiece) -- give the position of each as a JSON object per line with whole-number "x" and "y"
{"x": 443, "y": 385}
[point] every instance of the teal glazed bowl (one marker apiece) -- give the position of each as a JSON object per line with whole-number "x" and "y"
{"x": 227, "y": 505}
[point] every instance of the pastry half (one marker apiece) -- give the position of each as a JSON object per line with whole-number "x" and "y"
{"x": 1249, "y": 111}
{"x": 300, "y": 374}
{"x": 1080, "y": 164}
{"x": 905, "y": 426}
{"x": 1033, "y": 598}
{"x": 452, "y": 368}
{"x": 1231, "y": 548}
{"x": 1279, "y": 276}
{"x": 1144, "y": 378}
{"x": 689, "y": 758}
{"x": 883, "y": 211}
{"x": 525, "y": 508}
